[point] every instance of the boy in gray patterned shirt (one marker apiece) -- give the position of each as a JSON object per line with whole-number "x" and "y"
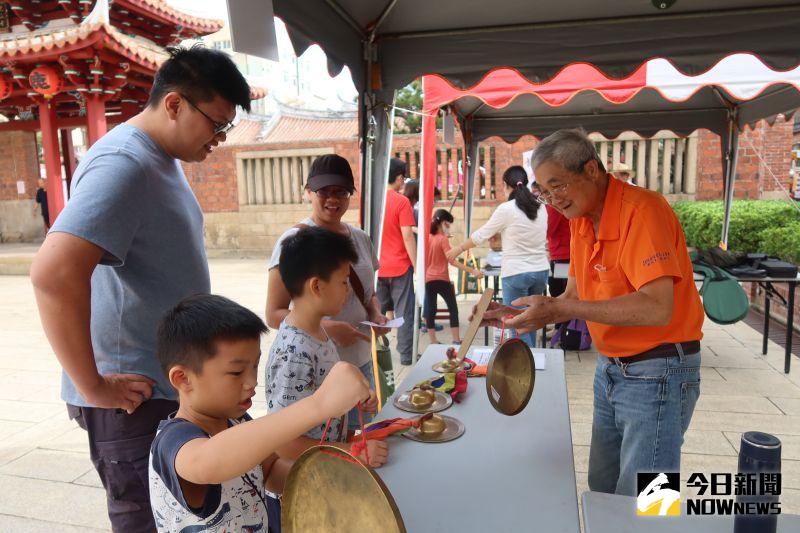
{"x": 315, "y": 267}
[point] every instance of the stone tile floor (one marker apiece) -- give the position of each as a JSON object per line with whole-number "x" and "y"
{"x": 48, "y": 482}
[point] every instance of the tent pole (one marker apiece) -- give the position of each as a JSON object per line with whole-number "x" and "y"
{"x": 470, "y": 155}
{"x": 367, "y": 140}
{"x": 730, "y": 175}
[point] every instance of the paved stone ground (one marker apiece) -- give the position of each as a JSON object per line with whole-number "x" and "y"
{"x": 47, "y": 482}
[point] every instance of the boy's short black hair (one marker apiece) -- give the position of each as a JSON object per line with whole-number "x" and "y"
{"x": 397, "y": 168}
{"x": 313, "y": 252}
{"x": 200, "y": 73}
{"x": 188, "y": 332}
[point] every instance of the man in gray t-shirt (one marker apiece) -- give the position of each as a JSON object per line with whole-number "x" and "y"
{"x": 127, "y": 247}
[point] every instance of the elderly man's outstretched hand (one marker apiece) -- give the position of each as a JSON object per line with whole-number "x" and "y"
{"x": 494, "y": 314}
{"x": 540, "y": 311}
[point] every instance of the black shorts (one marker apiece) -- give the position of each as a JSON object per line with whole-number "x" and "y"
{"x": 119, "y": 446}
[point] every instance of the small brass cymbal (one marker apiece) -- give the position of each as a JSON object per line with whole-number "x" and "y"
{"x": 510, "y": 377}
{"x": 422, "y": 397}
{"x": 432, "y": 426}
{"x": 436, "y": 428}
{"x": 423, "y": 401}
{"x": 329, "y": 490}
{"x": 450, "y": 365}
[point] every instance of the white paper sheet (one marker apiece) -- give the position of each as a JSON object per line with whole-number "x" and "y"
{"x": 481, "y": 356}
{"x": 540, "y": 360}
{"x": 392, "y": 324}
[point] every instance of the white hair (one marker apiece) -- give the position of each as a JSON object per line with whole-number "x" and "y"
{"x": 570, "y": 149}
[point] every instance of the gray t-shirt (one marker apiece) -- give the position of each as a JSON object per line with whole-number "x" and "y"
{"x": 130, "y": 198}
{"x": 298, "y": 364}
{"x": 353, "y": 311}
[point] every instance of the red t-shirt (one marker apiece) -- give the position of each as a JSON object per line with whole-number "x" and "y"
{"x": 558, "y": 234}
{"x": 394, "y": 259}
{"x": 436, "y": 265}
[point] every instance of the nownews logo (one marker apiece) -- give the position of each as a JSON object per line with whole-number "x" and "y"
{"x": 760, "y": 492}
{"x": 659, "y": 494}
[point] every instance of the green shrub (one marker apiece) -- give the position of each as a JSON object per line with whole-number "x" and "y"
{"x": 768, "y": 226}
{"x": 783, "y": 242}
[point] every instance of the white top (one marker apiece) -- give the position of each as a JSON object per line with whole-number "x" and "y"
{"x": 234, "y": 505}
{"x": 524, "y": 240}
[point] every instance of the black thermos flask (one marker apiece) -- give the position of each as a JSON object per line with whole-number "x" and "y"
{"x": 758, "y": 453}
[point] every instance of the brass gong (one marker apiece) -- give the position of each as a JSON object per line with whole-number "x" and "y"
{"x": 329, "y": 490}
{"x": 510, "y": 377}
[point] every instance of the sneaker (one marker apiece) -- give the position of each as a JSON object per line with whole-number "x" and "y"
{"x": 423, "y": 329}
{"x": 406, "y": 363}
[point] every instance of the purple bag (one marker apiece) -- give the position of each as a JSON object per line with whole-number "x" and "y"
{"x": 573, "y": 336}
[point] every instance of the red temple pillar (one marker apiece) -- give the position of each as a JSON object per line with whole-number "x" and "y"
{"x": 68, "y": 152}
{"x": 96, "y": 114}
{"x": 52, "y": 159}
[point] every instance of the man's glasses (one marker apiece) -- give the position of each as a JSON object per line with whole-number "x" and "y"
{"x": 219, "y": 127}
{"x": 333, "y": 193}
{"x": 547, "y": 197}
{"x": 556, "y": 191}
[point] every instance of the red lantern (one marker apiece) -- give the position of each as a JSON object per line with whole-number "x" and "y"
{"x": 5, "y": 87}
{"x": 46, "y": 81}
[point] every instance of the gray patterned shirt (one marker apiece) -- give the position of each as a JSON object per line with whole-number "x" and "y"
{"x": 298, "y": 363}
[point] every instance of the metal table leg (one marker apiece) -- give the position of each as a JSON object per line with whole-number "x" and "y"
{"x": 766, "y": 320}
{"x": 789, "y": 328}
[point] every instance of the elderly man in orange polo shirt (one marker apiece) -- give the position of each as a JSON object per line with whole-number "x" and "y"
{"x": 631, "y": 279}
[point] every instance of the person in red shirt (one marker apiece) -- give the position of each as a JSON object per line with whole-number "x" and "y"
{"x": 558, "y": 248}
{"x": 398, "y": 258}
{"x": 437, "y": 275}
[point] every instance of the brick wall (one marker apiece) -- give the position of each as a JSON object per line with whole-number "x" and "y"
{"x": 753, "y": 179}
{"x": 776, "y": 309}
{"x": 776, "y": 139}
{"x": 214, "y": 180}
{"x": 506, "y": 155}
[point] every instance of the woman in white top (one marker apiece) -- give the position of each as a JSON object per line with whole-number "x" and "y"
{"x": 523, "y": 226}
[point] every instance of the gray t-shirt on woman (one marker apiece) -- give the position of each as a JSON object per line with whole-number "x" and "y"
{"x": 353, "y": 312}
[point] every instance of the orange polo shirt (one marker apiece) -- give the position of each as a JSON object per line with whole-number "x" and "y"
{"x": 639, "y": 241}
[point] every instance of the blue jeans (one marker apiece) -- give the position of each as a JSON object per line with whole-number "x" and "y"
{"x": 641, "y": 411}
{"x": 525, "y": 284}
{"x": 352, "y": 417}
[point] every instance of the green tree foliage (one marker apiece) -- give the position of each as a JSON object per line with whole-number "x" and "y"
{"x": 410, "y": 97}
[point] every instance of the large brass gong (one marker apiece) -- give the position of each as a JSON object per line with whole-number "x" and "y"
{"x": 510, "y": 377}
{"x": 329, "y": 490}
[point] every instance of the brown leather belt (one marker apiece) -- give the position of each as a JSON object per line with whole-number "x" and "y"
{"x": 661, "y": 351}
